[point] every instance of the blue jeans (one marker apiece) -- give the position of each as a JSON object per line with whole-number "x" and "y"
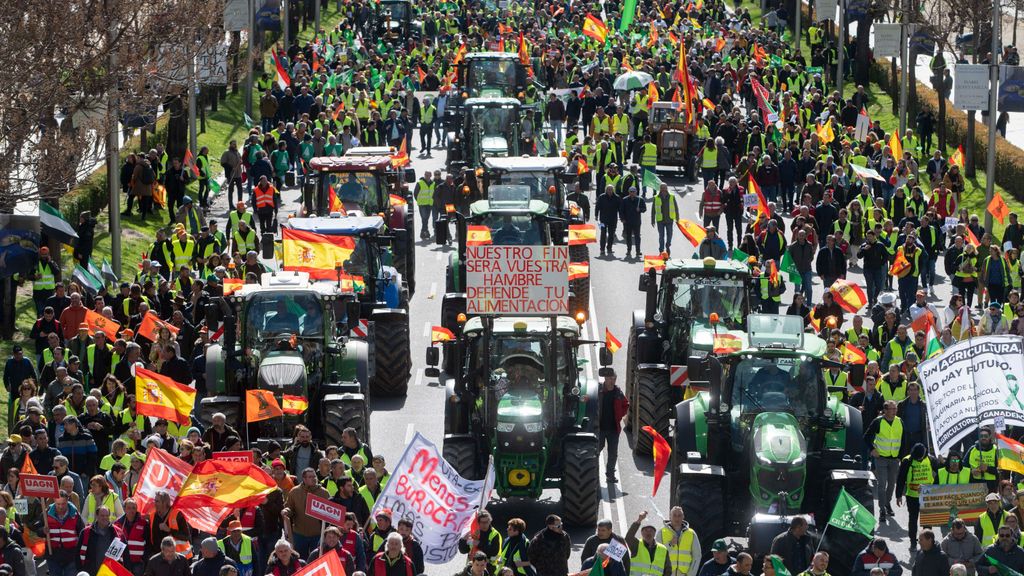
{"x": 807, "y": 286}
{"x": 770, "y": 193}
{"x": 908, "y": 291}
{"x": 875, "y": 279}
{"x": 305, "y": 544}
{"x": 428, "y": 220}
{"x": 927, "y": 271}
{"x": 54, "y": 569}
{"x": 665, "y": 236}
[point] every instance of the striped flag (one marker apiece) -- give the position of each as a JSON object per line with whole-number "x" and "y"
{"x": 694, "y": 232}
{"x": 579, "y": 270}
{"x": 1011, "y": 454}
{"x": 283, "y": 79}
{"x": 293, "y": 404}
{"x": 595, "y": 28}
{"x": 440, "y": 334}
{"x": 582, "y": 234}
{"x": 848, "y": 295}
{"x": 478, "y": 235}
{"x": 654, "y": 262}
{"x": 611, "y": 342}
{"x": 853, "y": 355}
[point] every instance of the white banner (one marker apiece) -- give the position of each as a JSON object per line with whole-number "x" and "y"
{"x": 970, "y": 87}
{"x": 887, "y": 40}
{"x": 520, "y": 280}
{"x": 970, "y": 384}
{"x": 427, "y": 490}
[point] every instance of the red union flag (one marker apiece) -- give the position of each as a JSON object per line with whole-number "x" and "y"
{"x": 161, "y": 473}
{"x": 39, "y": 486}
{"x": 240, "y": 456}
{"x": 324, "y": 509}
{"x": 328, "y": 565}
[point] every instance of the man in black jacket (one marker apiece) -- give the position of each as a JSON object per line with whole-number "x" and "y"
{"x": 550, "y": 548}
{"x": 830, "y": 263}
{"x": 795, "y": 546}
{"x": 606, "y": 210}
{"x": 174, "y": 366}
{"x": 875, "y": 266}
{"x": 630, "y": 211}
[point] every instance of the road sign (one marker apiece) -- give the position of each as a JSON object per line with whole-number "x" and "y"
{"x": 970, "y": 87}
{"x": 324, "y": 509}
{"x": 236, "y": 15}
{"x": 212, "y": 65}
{"x": 241, "y": 456}
{"x": 887, "y": 40}
{"x": 824, "y": 10}
{"x": 39, "y": 486}
{"x": 517, "y": 280}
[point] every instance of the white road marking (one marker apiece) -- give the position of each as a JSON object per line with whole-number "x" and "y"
{"x": 409, "y": 431}
{"x": 419, "y": 377}
{"x": 606, "y": 506}
{"x": 439, "y": 255}
{"x": 433, "y": 291}
{"x": 426, "y": 330}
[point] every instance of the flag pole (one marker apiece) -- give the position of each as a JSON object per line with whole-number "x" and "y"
{"x": 821, "y": 538}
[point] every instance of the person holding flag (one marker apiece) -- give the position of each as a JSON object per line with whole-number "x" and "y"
{"x": 1004, "y": 554}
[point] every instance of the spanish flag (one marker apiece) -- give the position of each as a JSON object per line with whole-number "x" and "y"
{"x": 161, "y": 397}
{"x": 579, "y": 270}
{"x": 334, "y": 203}
{"x": 652, "y": 93}
{"x": 662, "y": 454}
{"x": 317, "y": 254}
{"x": 896, "y": 146}
{"x": 595, "y": 28}
{"x": 440, "y": 334}
{"x": 99, "y": 323}
{"x": 111, "y": 567}
{"x": 261, "y": 405}
{"x": 848, "y": 295}
{"x": 232, "y": 285}
{"x": 957, "y": 157}
{"x": 971, "y": 237}
{"x": 151, "y": 324}
{"x": 581, "y": 166}
{"x": 683, "y": 75}
{"x": 611, "y": 342}
{"x": 825, "y": 132}
{"x": 524, "y": 51}
{"x": 653, "y": 262}
{"x": 582, "y": 234}
{"x": 694, "y": 232}
{"x": 224, "y": 484}
{"x": 853, "y": 354}
{"x": 352, "y": 283}
{"x": 478, "y": 235}
{"x": 396, "y": 200}
{"x": 460, "y": 53}
{"x": 293, "y": 404}
{"x": 900, "y": 264}
{"x": 726, "y": 344}
{"x": 762, "y": 203}
{"x": 401, "y": 158}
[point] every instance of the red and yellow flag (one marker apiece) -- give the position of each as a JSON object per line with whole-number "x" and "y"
{"x": 957, "y": 157}
{"x": 334, "y": 203}
{"x": 762, "y": 203}
{"x": 317, "y": 254}
{"x": 151, "y": 324}
{"x": 352, "y": 283}
{"x": 460, "y": 53}
{"x": 283, "y": 79}
{"x": 662, "y": 455}
{"x": 421, "y": 74}
{"x": 99, "y": 323}
{"x": 653, "y": 262}
{"x": 224, "y": 484}
{"x": 337, "y": 111}
{"x": 396, "y": 200}
{"x": 261, "y": 405}
{"x": 726, "y": 344}
{"x": 232, "y": 285}
{"x": 440, "y": 334}
{"x": 581, "y": 165}
{"x": 595, "y": 28}
{"x": 190, "y": 162}
{"x": 899, "y": 265}
{"x": 652, "y": 93}
{"x": 719, "y": 44}
{"x": 611, "y": 342}
{"x": 971, "y": 237}
{"x": 293, "y": 404}
{"x": 998, "y": 208}
{"x": 478, "y": 235}
{"x": 111, "y": 567}
{"x": 582, "y": 234}
{"x": 683, "y": 75}
{"x": 848, "y": 295}
{"x": 161, "y": 397}
{"x": 524, "y": 51}
{"x": 694, "y": 232}
{"x": 401, "y": 158}
{"x": 853, "y": 354}
{"x": 579, "y": 270}
{"x": 896, "y": 146}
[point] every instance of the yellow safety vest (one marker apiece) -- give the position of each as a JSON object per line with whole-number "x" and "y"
{"x": 988, "y": 531}
{"x": 977, "y": 456}
{"x": 889, "y": 438}
{"x": 678, "y": 555}
{"x": 244, "y": 551}
{"x": 898, "y": 394}
{"x": 110, "y": 501}
{"x": 671, "y": 208}
{"x": 710, "y": 159}
{"x": 649, "y": 158}
{"x": 234, "y": 218}
{"x": 601, "y": 125}
{"x": 46, "y": 279}
{"x": 643, "y": 565}
{"x": 920, "y": 472}
{"x": 183, "y": 254}
{"x": 425, "y": 193}
{"x": 244, "y": 243}
{"x": 621, "y": 122}
{"x": 961, "y": 477}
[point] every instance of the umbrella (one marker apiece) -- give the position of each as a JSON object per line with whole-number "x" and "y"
{"x": 632, "y": 81}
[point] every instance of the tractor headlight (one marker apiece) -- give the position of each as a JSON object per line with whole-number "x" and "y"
{"x": 533, "y": 427}
{"x": 506, "y": 426}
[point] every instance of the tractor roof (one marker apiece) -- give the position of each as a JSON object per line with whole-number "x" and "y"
{"x": 286, "y": 281}
{"x": 526, "y": 163}
{"x": 534, "y": 207}
{"x": 491, "y": 56}
{"x": 716, "y": 267}
{"x": 371, "y": 151}
{"x": 343, "y": 226}
{"x": 488, "y": 102}
{"x": 351, "y": 163}
{"x": 533, "y": 325}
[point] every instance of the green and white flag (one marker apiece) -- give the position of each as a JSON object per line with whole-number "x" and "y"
{"x": 108, "y": 272}
{"x": 248, "y": 120}
{"x": 89, "y": 282}
{"x": 779, "y": 567}
{"x": 1002, "y": 569}
{"x": 215, "y": 186}
{"x": 55, "y": 226}
{"x": 851, "y": 515}
{"x": 651, "y": 179}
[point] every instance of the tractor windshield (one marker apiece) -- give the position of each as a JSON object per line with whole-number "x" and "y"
{"x": 359, "y": 188}
{"x": 698, "y": 297}
{"x": 484, "y": 74}
{"x": 399, "y": 10}
{"x": 363, "y": 259}
{"x": 776, "y": 384}
{"x": 270, "y": 315}
{"x": 518, "y": 362}
{"x": 514, "y": 229}
{"x": 661, "y": 115}
{"x": 538, "y": 182}
{"x": 494, "y": 120}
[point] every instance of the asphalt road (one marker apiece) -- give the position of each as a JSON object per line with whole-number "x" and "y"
{"x": 614, "y": 296}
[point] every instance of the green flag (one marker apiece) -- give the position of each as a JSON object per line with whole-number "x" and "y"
{"x": 739, "y": 255}
{"x": 651, "y": 179}
{"x": 778, "y": 566}
{"x": 247, "y": 119}
{"x": 1001, "y": 568}
{"x": 851, "y": 515}
{"x": 788, "y": 266}
{"x": 598, "y": 568}
{"x": 215, "y": 186}
{"x": 89, "y": 282}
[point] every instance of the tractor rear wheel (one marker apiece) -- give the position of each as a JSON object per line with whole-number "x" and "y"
{"x": 843, "y": 546}
{"x": 392, "y": 357}
{"x": 703, "y": 504}
{"x": 460, "y": 453}
{"x": 653, "y": 408}
{"x": 341, "y": 414}
{"x": 581, "y": 481}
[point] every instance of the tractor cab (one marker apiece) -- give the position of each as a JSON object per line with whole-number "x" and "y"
{"x": 490, "y": 128}
{"x": 397, "y": 20}
{"x": 674, "y": 136}
{"x": 545, "y": 176}
{"x": 492, "y": 75}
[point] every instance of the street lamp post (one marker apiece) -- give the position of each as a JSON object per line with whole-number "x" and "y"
{"x": 993, "y": 113}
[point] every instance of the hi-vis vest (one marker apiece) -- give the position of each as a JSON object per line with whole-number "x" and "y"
{"x": 183, "y": 547}
{"x": 424, "y": 195}
{"x": 264, "y": 196}
{"x": 234, "y": 218}
{"x": 889, "y": 438}
{"x": 976, "y": 456}
{"x": 46, "y": 279}
{"x": 110, "y": 501}
{"x": 988, "y": 531}
{"x": 658, "y": 207}
{"x": 643, "y": 565}
{"x": 649, "y": 157}
{"x": 961, "y": 477}
{"x": 244, "y": 242}
{"x": 920, "y": 472}
{"x": 63, "y": 533}
{"x": 182, "y": 255}
{"x": 678, "y": 555}
{"x": 888, "y": 392}
{"x": 710, "y": 158}
{"x": 244, "y": 551}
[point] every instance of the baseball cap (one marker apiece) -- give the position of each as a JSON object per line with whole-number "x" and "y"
{"x": 992, "y": 497}
{"x": 43, "y": 250}
{"x": 719, "y": 545}
{"x": 186, "y": 200}
{"x": 14, "y": 439}
{"x": 277, "y": 463}
{"x": 234, "y": 525}
{"x": 17, "y": 349}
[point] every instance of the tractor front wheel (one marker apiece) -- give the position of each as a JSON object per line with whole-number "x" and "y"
{"x": 460, "y": 453}
{"x": 653, "y": 407}
{"x": 581, "y": 481}
{"x": 703, "y": 505}
{"x": 341, "y": 414}
{"x": 392, "y": 357}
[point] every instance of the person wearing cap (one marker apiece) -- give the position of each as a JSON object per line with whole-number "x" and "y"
{"x": 181, "y": 250}
{"x": 78, "y": 345}
{"x": 14, "y": 454}
{"x": 303, "y": 529}
{"x": 981, "y": 458}
{"x": 238, "y": 548}
{"x": 993, "y": 322}
{"x": 94, "y": 541}
{"x": 990, "y": 521}
{"x": 78, "y": 445}
{"x": 647, "y": 557}
{"x": 720, "y": 560}
{"x": 550, "y": 548}
{"x": 189, "y": 217}
{"x": 887, "y": 440}
{"x": 915, "y": 469}
{"x": 211, "y": 559}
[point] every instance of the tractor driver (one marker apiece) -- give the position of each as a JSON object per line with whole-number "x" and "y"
{"x": 356, "y": 263}
{"x": 768, "y": 379}
{"x": 353, "y": 190}
{"x": 283, "y": 320}
{"x": 508, "y": 234}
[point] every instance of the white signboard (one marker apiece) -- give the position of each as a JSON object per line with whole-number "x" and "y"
{"x": 824, "y": 10}
{"x": 970, "y": 87}
{"x": 116, "y": 549}
{"x": 440, "y": 503}
{"x": 972, "y": 383}
{"x": 236, "y": 15}
{"x": 212, "y": 65}
{"x": 887, "y": 40}
{"x": 517, "y": 280}
{"x": 750, "y": 200}
{"x": 616, "y": 550}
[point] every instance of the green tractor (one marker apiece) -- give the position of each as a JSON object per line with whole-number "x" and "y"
{"x": 522, "y": 397}
{"x": 764, "y": 440}
{"x": 487, "y": 127}
{"x": 290, "y": 336}
{"x": 661, "y": 337}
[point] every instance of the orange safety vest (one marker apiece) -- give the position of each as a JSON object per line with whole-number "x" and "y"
{"x": 183, "y": 547}
{"x": 264, "y": 197}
